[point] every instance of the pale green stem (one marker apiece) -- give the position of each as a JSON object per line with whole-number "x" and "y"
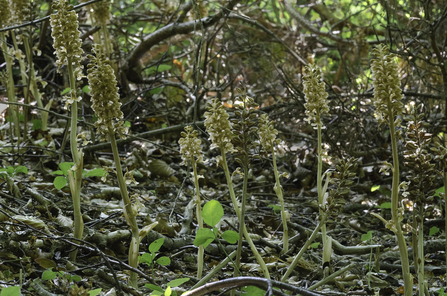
{"x": 128, "y": 211}
{"x": 215, "y": 270}
{"x": 24, "y": 79}
{"x": 241, "y": 221}
{"x": 75, "y": 190}
{"x": 106, "y": 40}
{"x": 279, "y": 193}
{"x": 304, "y": 248}
{"x": 33, "y": 83}
{"x": 408, "y": 282}
{"x": 199, "y": 217}
{"x": 14, "y": 112}
{"x": 421, "y": 279}
{"x": 320, "y": 189}
{"x": 236, "y": 209}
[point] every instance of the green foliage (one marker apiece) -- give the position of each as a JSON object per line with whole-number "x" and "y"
{"x": 64, "y": 279}
{"x": 12, "y": 171}
{"x": 37, "y": 124}
{"x": 10, "y": 291}
{"x": 315, "y": 245}
{"x": 149, "y": 258}
{"x": 62, "y": 180}
{"x": 385, "y": 205}
{"x": 252, "y": 291}
{"x": 172, "y": 284}
{"x": 367, "y": 236}
{"x": 212, "y": 213}
{"x": 433, "y": 230}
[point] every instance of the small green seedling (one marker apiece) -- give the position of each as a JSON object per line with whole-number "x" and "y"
{"x": 65, "y": 279}
{"x": 168, "y": 292}
{"x": 441, "y": 292}
{"x": 314, "y": 245}
{"x": 62, "y": 180}
{"x": 148, "y": 258}
{"x": 433, "y": 230}
{"x": 212, "y": 213}
{"x": 385, "y": 205}
{"x": 276, "y": 208}
{"x": 12, "y": 171}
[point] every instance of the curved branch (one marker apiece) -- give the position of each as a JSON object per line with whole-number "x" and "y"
{"x": 132, "y": 65}
{"x": 303, "y": 22}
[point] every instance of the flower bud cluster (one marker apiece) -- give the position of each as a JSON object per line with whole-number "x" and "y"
{"x": 190, "y": 145}
{"x": 387, "y": 92}
{"x": 5, "y": 14}
{"x": 315, "y": 95}
{"x": 267, "y": 133}
{"x": 66, "y": 36}
{"x": 105, "y": 97}
{"x": 22, "y": 11}
{"x": 101, "y": 12}
{"x": 218, "y": 126}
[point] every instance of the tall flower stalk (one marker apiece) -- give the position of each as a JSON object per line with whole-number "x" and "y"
{"x": 192, "y": 152}
{"x": 317, "y": 104}
{"x": 67, "y": 45}
{"x": 219, "y": 128}
{"x": 387, "y": 101}
{"x": 267, "y": 135}
{"x": 105, "y": 103}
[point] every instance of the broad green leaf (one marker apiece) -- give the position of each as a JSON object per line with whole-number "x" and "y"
{"x": 65, "y": 166}
{"x": 57, "y": 173}
{"x": 164, "y": 261}
{"x": 126, "y": 123}
{"x": 37, "y": 124}
{"x": 385, "y": 205}
{"x": 95, "y": 173}
{"x": 230, "y": 236}
{"x": 94, "y": 292}
{"x": 21, "y": 169}
{"x": 65, "y": 91}
{"x": 10, "y": 291}
{"x": 276, "y": 208}
{"x": 367, "y": 236}
{"x": 86, "y": 89}
{"x": 252, "y": 291}
{"x": 59, "y": 182}
{"x": 375, "y": 187}
{"x": 48, "y": 275}
{"x": 156, "y": 245}
{"x": 168, "y": 291}
{"x": 439, "y": 190}
{"x": 154, "y": 287}
{"x": 146, "y": 258}
{"x": 76, "y": 278}
{"x": 177, "y": 282}
{"x": 433, "y": 230}
{"x": 202, "y": 236}
{"x": 212, "y": 212}
{"x": 314, "y": 245}
{"x": 156, "y": 91}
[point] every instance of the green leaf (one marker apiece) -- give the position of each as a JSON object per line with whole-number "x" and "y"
{"x": 203, "y": 236}
{"x": 95, "y": 173}
{"x": 44, "y": 6}
{"x": 65, "y": 166}
{"x": 433, "y": 230}
{"x": 276, "y": 208}
{"x": 57, "y": 173}
{"x": 48, "y": 275}
{"x": 375, "y": 187}
{"x": 94, "y": 292}
{"x": 385, "y": 205}
{"x": 76, "y": 278}
{"x": 212, "y": 212}
{"x": 154, "y": 287}
{"x": 59, "y": 182}
{"x": 160, "y": 68}
{"x": 164, "y": 261}
{"x": 439, "y": 190}
{"x": 314, "y": 245}
{"x": 156, "y": 245}
{"x": 65, "y": 91}
{"x": 177, "y": 282}
{"x": 157, "y": 293}
{"x": 11, "y": 291}
{"x": 86, "y": 89}
{"x": 126, "y": 123}
{"x": 146, "y": 258}
{"x": 252, "y": 291}
{"x": 168, "y": 291}
{"x": 43, "y": 143}
{"x": 21, "y": 169}
{"x": 367, "y": 236}
{"x": 37, "y": 124}
{"x": 230, "y": 236}
{"x": 156, "y": 91}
